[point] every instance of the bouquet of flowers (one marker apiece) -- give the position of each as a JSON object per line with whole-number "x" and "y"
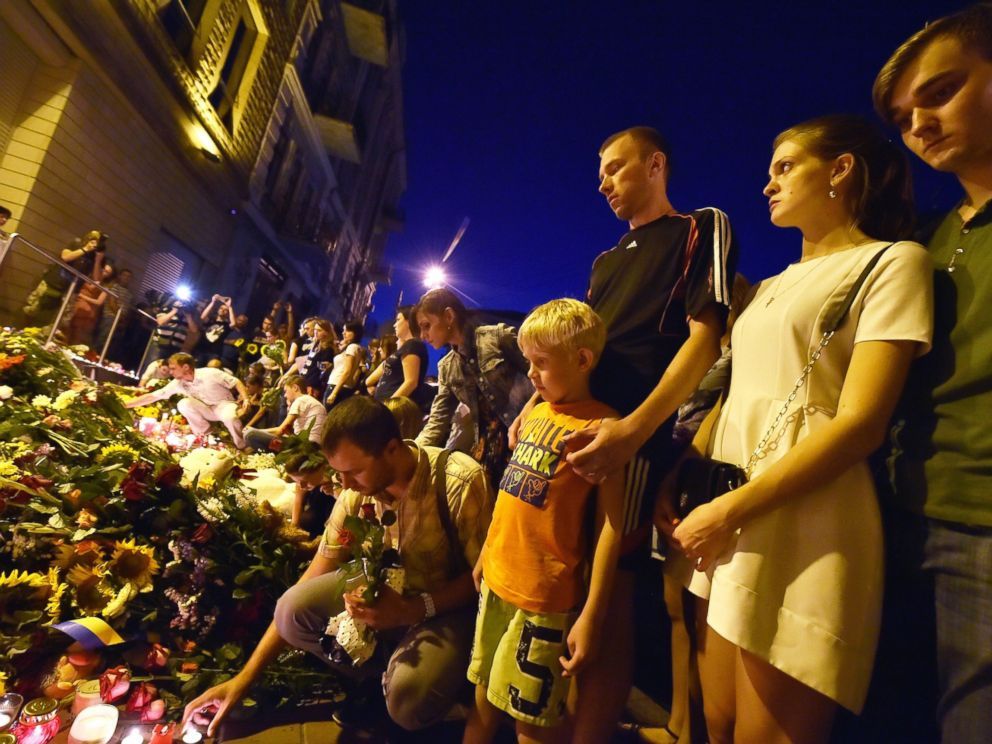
{"x": 372, "y": 566}
{"x": 98, "y": 522}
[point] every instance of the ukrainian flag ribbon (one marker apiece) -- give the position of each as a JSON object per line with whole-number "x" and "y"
{"x": 91, "y": 633}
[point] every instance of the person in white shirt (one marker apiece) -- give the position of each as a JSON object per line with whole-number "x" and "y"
{"x": 206, "y": 395}
{"x": 305, "y": 412}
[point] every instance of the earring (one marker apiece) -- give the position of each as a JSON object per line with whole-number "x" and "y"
{"x": 832, "y": 194}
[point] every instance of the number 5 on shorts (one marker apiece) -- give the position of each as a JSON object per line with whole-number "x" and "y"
{"x": 533, "y": 669}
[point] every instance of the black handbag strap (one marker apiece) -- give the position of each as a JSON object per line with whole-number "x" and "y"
{"x": 456, "y": 558}
{"x": 834, "y": 319}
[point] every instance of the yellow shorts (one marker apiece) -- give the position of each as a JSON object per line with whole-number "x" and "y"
{"x": 515, "y": 657}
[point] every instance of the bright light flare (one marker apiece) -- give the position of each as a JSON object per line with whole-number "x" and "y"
{"x": 183, "y": 292}
{"x": 435, "y": 277}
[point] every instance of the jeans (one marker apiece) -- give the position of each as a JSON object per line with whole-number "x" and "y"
{"x": 258, "y": 439}
{"x": 959, "y": 558}
{"x": 425, "y": 674}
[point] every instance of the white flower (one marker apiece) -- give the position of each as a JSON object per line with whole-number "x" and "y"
{"x": 6, "y": 392}
{"x": 41, "y": 401}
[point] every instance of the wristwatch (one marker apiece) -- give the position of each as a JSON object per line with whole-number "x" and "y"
{"x": 429, "y": 609}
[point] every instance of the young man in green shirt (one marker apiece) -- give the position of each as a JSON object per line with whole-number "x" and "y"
{"x": 937, "y": 90}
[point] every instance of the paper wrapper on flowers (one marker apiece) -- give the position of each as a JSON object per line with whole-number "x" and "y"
{"x": 354, "y": 636}
{"x": 204, "y": 463}
{"x": 395, "y": 579}
{"x": 267, "y": 485}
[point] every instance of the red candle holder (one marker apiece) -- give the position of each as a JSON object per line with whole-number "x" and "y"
{"x": 162, "y": 733}
{"x": 39, "y": 722}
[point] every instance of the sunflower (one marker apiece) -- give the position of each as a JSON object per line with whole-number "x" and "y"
{"x": 133, "y": 563}
{"x": 30, "y": 591}
{"x": 93, "y": 593}
{"x": 117, "y": 453}
{"x": 54, "y": 606}
{"x": 86, "y": 553}
{"x": 119, "y": 603}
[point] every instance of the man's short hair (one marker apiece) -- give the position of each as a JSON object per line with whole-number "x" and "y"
{"x": 649, "y": 140}
{"x": 364, "y": 422}
{"x": 294, "y": 381}
{"x": 972, "y": 27}
{"x": 182, "y": 359}
{"x": 6, "y": 212}
{"x": 565, "y": 324}
{"x": 255, "y": 381}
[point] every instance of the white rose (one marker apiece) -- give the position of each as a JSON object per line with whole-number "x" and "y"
{"x": 6, "y": 392}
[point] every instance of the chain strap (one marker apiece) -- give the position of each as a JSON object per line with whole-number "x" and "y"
{"x": 765, "y": 446}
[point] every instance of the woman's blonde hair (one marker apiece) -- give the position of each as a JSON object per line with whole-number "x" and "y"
{"x": 563, "y": 324}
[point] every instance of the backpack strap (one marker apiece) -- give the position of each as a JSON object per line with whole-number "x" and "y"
{"x": 456, "y": 559}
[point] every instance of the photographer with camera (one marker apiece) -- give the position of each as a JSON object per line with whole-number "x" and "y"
{"x": 81, "y": 254}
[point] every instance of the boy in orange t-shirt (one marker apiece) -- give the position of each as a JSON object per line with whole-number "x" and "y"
{"x": 537, "y": 625}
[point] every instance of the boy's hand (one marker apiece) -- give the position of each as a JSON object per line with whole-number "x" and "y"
{"x": 582, "y": 646}
{"x": 477, "y": 575}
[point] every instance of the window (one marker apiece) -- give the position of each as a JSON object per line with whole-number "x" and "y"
{"x": 180, "y": 18}
{"x": 240, "y": 62}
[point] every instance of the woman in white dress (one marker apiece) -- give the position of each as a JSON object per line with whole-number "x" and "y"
{"x": 791, "y": 562}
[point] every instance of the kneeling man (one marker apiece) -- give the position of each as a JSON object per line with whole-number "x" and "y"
{"x": 206, "y": 395}
{"x": 443, "y": 508}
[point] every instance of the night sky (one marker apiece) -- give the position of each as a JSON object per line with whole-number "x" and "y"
{"x": 506, "y": 105}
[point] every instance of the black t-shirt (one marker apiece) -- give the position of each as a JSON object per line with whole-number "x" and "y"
{"x": 392, "y": 370}
{"x": 646, "y": 288}
{"x": 314, "y": 375}
{"x": 214, "y": 334}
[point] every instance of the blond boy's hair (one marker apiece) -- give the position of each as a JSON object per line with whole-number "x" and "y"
{"x": 563, "y": 324}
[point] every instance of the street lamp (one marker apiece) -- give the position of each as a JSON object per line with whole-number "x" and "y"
{"x": 434, "y": 277}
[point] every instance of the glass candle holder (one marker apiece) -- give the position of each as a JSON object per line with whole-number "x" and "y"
{"x": 10, "y": 706}
{"x": 39, "y": 722}
{"x": 87, "y": 694}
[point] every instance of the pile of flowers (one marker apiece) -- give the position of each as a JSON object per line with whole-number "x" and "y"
{"x": 96, "y": 520}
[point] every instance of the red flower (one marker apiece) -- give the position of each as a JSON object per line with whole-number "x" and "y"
{"x": 188, "y": 667}
{"x": 114, "y": 683}
{"x": 202, "y": 534}
{"x": 154, "y": 711}
{"x": 170, "y": 476}
{"x": 275, "y": 445}
{"x": 36, "y": 482}
{"x": 368, "y": 511}
{"x": 157, "y": 656}
{"x": 140, "y": 698}
{"x": 345, "y": 537}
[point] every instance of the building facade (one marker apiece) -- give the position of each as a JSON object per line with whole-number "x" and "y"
{"x": 252, "y": 148}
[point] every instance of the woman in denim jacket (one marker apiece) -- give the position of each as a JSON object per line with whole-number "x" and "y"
{"x": 484, "y": 370}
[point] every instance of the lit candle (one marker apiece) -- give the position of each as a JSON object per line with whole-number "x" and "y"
{"x": 133, "y": 738}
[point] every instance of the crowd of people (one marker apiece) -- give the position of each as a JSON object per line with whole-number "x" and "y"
{"x": 776, "y": 586}
{"x": 527, "y": 486}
